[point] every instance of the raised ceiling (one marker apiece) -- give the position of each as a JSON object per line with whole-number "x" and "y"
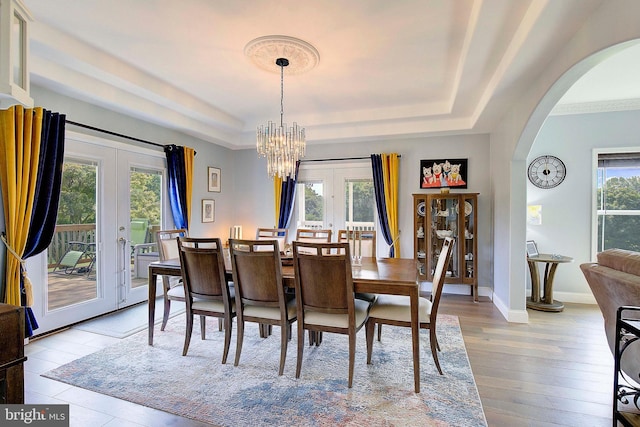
{"x": 386, "y": 69}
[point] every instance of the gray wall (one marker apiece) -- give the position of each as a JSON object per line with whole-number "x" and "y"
{"x": 254, "y": 207}
{"x": 207, "y": 154}
{"x": 567, "y": 210}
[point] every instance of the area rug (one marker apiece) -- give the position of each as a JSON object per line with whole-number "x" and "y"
{"x": 199, "y": 387}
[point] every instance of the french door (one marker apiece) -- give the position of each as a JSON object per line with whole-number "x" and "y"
{"x": 331, "y": 196}
{"x": 112, "y": 201}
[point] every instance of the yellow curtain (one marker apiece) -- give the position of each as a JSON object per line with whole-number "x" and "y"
{"x": 189, "y": 154}
{"x": 277, "y": 193}
{"x": 20, "y": 133}
{"x": 390, "y": 173}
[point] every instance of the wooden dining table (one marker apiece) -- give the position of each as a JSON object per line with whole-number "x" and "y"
{"x": 392, "y": 276}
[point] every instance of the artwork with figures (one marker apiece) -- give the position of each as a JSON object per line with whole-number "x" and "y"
{"x": 441, "y": 173}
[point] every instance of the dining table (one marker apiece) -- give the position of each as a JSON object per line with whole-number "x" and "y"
{"x": 392, "y": 276}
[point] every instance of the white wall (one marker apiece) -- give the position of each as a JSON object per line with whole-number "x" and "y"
{"x": 254, "y": 207}
{"x": 513, "y": 137}
{"x": 567, "y": 212}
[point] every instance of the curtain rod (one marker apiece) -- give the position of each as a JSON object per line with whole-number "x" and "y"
{"x": 115, "y": 134}
{"x": 338, "y": 159}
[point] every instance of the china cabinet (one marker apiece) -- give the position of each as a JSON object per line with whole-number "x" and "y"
{"x": 439, "y": 215}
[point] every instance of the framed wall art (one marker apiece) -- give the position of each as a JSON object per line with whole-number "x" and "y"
{"x": 214, "y": 179}
{"x": 532, "y": 248}
{"x": 440, "y": 173}
{"x": 208, "y": 210}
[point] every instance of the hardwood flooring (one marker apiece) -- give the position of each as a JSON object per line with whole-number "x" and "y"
{"x": 554, "y": 371}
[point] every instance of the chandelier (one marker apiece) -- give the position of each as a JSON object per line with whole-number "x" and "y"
{"x": 282, "y": 146}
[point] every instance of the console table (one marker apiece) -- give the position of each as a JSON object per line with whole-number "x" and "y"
{"x": 546, "y": 302}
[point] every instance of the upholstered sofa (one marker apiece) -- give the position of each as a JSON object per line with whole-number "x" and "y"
{"x": 614, "y": 281}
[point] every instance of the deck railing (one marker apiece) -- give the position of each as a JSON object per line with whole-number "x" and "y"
{"x": 66, "y": 233}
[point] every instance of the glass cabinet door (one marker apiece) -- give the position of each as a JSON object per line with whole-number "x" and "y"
{"x": 444, "y": 223}
{"x": 469, "y": 237}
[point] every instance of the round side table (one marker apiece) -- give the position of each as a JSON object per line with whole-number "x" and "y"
{"x": 546, "y": 302}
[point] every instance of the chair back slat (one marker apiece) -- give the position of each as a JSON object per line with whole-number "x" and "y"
{"x": 168, "y": 244}
{"x": 313, "y": 235}
{"x": 279, "y": 234}
{"x": 368, "y": 238}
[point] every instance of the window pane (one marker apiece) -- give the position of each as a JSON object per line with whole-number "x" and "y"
{"x": 359, "y": 202}
{"x": 145, "y": 190}
{"x": 72, "y": 251}
{"x": 311, "y": 204}
{"x": 619, "y": 231}
{"x": 618, "y": 201}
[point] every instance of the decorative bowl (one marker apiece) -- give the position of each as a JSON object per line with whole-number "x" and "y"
{"x": 444, "y": 233}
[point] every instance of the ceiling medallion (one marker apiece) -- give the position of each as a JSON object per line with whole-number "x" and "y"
{"x": 264, "y": 51}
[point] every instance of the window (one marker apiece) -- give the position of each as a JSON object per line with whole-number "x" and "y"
{"x": 335, "y": 197}
{"x": 618, "y": 201}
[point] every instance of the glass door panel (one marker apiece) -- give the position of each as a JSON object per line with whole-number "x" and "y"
{"x": 311, "y": 205}
{"x": 139, "y": 217}
{"x": 71, "y": 256}
{"x": 145, "y": 206}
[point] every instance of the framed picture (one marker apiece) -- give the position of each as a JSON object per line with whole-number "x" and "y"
{"x": 208, "y": 210}
{"x": 439, "y": 173}
{"x": 214, "y": 179}
{"x": 532, "y": 248}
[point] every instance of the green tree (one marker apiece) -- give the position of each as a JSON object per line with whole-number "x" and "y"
{"x": 314, "y": 204}
{"x": 145, "y": 189}
{"x": 363, "y": 201}
{"x": 620, "y": 231}
{"x": 78, "y": 194}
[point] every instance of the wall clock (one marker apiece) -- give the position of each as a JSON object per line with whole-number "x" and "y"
{"x": 546, "y": 171}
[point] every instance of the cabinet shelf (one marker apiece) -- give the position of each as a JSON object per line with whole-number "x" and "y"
{"x": 437, "y": 216}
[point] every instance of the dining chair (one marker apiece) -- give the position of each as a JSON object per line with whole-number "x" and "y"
{"x": 368, "y": 238}
{"x": 279, "y": 234}
{"x": 366, "y": 248}
{"x": 259, "y": 290}
{"x": 313, "y": 235}
{"x": 207, "y": 292}
{"x": 325, "y": 299}
{"x": 173, "y": 288}
{"x": 396, "y": 310}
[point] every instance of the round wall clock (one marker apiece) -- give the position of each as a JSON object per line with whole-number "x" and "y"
{"x": 546, "y": 171}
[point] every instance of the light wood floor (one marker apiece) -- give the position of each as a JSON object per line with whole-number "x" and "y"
{"x": 554, "y": 371}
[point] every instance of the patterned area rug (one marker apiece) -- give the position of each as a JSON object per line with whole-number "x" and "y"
{"x": 199, "y": 387}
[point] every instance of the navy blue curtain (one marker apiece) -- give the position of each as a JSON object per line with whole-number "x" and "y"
{"x": 177, "y": 185}
{"x": 287, "y": 199}
{"x": 46, "y": 197}
{"x": 381, "y": 204}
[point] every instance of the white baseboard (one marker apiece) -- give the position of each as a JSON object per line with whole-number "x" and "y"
{"x": 512, "y": 316}
{"x": 578, "y": 298}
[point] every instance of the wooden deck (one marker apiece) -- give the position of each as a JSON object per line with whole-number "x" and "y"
{"x": 70, "y": 289}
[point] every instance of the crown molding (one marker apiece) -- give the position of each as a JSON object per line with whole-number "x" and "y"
{"x": 596, "y": 107}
